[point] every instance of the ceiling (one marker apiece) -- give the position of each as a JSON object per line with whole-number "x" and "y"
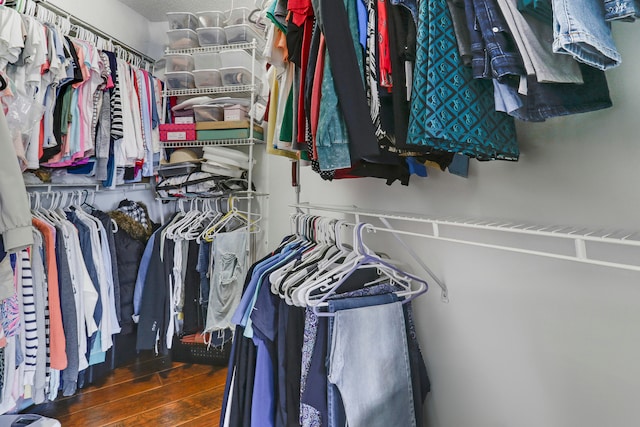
{"x": 155, "y": 10}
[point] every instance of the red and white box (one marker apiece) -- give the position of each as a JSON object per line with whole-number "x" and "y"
{"x": 177, "y": 132}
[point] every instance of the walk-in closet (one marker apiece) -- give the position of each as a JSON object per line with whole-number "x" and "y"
{"x": 319, "y": 213}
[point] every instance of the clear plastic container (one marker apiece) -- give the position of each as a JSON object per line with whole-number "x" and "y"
{"x": 207, "y": 61}
{"x": 207, "y": 78}
{"x": 212, "y": 18}
{"x": 211, "y": 36}
{"x": 182, "y": 20}
{"x": 239, "y": 15}
{"x": 243, "y": 33}
{"x": 178, "y": 63}
{"x": 233, "y": 76}
{"x": 208, "y": 113}
{"x": 235, "y": 58}
{"x": 182, "y": 39}
{"x": 179, "y": 80}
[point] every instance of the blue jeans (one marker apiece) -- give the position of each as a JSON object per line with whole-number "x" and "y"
{"x": 580, "y": 30}
{"x": 371, "y": 365}
{"x": 227, "y": 278}
{"x": 625, "y": 10}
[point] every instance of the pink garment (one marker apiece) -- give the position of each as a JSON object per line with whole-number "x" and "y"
{"x": 57, "y": 340}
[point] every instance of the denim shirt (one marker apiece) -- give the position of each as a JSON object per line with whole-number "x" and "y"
{"x": 494, "y": 51}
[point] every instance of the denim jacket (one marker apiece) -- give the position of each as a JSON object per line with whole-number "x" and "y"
{"x": 494, "y": 51}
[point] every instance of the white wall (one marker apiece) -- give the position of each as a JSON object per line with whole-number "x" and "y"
{"x": 525, "y": 341}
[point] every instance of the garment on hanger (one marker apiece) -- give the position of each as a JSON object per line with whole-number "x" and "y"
{"x": 189, "y": 281}
{"x": 72, "y": 92}
{"x": 277, "y": 374}
{"x": 14, "y": 206}
{"x": 61, "y": 319}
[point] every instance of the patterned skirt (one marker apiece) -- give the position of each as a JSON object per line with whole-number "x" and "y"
{"x": 450, "y": 110}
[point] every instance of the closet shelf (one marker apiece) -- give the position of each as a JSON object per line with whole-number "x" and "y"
{"x": 552, "y": 241}
{"x": 48, "y": 187}
{"x": 211, "y": 49}
{"x": 240, "y": 195}
{"x": 239, "y": 89}
{"x": 226, "y": 142}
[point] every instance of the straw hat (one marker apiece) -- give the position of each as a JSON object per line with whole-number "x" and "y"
{"x": 184, "y": 155}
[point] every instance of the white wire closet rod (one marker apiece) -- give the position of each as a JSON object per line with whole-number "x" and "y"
{"x": 50, "y": 187}
{"x": 579, "y": 236}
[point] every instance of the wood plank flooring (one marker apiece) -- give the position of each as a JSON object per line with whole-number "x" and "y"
{"x": 149, "y": 392}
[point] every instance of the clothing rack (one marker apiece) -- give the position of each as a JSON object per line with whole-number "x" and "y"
{"x": 49, "y": 188}
{"x": 85, "y": 193}
{"x": 458, "y": 230}
{"x": 94, "y": 30}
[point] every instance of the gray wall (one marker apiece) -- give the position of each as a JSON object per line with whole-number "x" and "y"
{"x": 525, "y": 341}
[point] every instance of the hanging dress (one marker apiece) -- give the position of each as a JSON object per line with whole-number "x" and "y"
{"x": 450, "y": 110}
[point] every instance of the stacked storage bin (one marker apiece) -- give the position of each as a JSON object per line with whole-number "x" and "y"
{"x": 206, "y": 70}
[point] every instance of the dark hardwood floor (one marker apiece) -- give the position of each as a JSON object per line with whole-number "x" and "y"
{"x": 149, "y": 392}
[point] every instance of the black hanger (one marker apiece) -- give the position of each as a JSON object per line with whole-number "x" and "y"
{"x": 3, "y": 83}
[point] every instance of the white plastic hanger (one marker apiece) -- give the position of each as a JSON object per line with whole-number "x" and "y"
{"x": 331, "y": 280}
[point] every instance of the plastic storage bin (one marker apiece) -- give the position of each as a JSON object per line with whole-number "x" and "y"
{"x": 207, "y": 61}
{"x": 180, "y": 80}
{"x": 207, "y": 78}
{"x": 178, "y": 63}
{"x": 208, "y": 113}
{"x": 192, "y": 352}
{"x": 182, "y": 39}
{"x": 233, "y": 76}
{"x": 235, "y": 58}
{"x": 182, "y": 20}
{"x": 243, "y": 33}
{"x": 211, "y": 36}
{"x": 212, "y": 18}
{"x": 239, "y": 15}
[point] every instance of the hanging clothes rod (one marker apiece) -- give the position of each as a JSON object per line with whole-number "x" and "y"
{"x": 49, "y": 188}
{"x": 580, "y": 237}
{"x": 79, "y": 22}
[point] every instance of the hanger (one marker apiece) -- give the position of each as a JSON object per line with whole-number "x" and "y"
{"x": 324, "y": 237}
{"x": 207, "y": 214}
{"x": 331, "y": 280}
{"x": 169, "y": 231}
{"x": 3, "y": 82}
{"x": 232, "y": 213}
{"x": 216, "y": 214}
{"x": 343, "y": 254}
